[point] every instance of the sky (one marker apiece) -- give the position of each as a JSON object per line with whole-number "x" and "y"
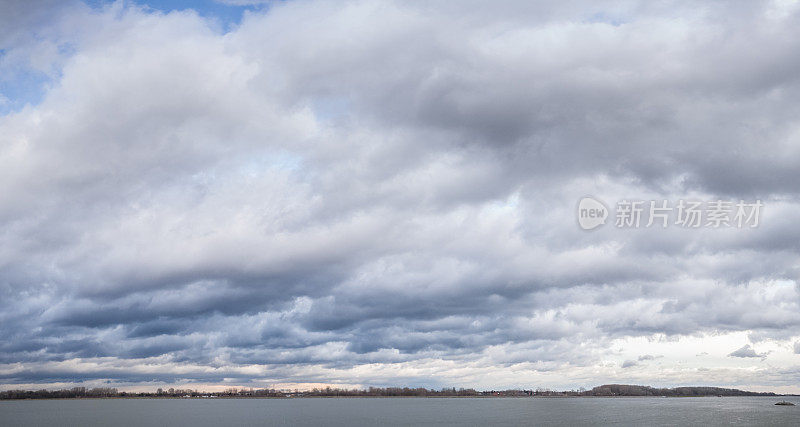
{"x": 379, "y": 193}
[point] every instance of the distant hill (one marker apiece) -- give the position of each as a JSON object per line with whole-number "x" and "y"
{"x": 642, "y": 390}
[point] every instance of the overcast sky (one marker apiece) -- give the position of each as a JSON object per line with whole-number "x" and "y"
{"x": 384, "y": 193}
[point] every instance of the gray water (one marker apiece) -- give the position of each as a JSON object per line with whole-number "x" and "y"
{"x": 401, "y": 412}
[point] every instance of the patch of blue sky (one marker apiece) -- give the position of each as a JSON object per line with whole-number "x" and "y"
{"x": 21, "y": 89}
{"x": 21, "y": 84}
{"x": 228, "y": 15}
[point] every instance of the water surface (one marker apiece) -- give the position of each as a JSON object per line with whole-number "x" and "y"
{"x": 649, "y": 411}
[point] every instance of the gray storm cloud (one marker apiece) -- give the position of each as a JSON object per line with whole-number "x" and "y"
{"x": 387, "y": 189}
{"x": 746, "y": 351}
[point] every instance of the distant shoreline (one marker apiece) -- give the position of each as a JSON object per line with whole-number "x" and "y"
{"x": 607, "y": 390}
{"x": 383, "y": 397}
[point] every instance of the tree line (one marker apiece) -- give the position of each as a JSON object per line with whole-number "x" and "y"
{"x": 600, "y": 391}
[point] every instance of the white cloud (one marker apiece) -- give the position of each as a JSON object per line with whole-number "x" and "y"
{"x": 390, "y": 196}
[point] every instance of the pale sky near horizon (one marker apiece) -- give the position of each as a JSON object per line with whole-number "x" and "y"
{"x": 383, "y": 193}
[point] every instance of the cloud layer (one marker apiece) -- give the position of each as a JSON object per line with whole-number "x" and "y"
{"x": 383, "y": 193}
